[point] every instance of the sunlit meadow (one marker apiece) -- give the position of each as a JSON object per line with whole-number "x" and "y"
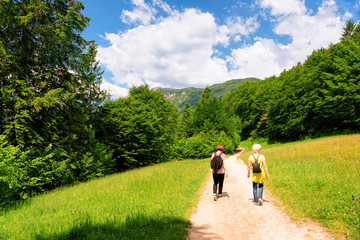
{"x": 153, "y": 202}
{"x": 318, "y": 179}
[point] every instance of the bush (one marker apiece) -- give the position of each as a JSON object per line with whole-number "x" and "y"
{"x": 10, "y": 160}
{"x": 203, "y": 144}
{"x": 23, "y": 174}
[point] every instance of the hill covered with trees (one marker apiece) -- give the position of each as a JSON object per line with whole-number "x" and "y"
{"x": 192, "y": 95}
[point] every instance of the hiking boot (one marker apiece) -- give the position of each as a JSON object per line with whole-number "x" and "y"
{"x": 215, "y": 198}
{"x": 260, "y": 202}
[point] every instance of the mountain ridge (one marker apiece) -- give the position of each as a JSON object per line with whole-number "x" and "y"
{"x": 192, "y": 95}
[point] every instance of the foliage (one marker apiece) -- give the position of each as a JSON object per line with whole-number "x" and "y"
{"x": 203, "y": 144}
{"x": 139, "y": 129}
{"x": 11, "y": 159}
{"x": 186, "y": 126}
{"x": 50, "y": 90}
{"x": 204, "y": 127}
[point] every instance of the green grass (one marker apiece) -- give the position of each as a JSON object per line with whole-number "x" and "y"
{"x": 318, "y": 179}
{"x": 154, "y": 202}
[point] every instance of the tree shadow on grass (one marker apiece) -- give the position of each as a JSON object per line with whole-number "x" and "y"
{"x": 139, "y": 227}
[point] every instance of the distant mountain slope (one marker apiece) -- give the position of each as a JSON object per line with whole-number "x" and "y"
{"x": 192, "y": 95}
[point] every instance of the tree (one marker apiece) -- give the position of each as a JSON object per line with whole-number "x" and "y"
{"x": 206, "y": 113}
{"x": 186, "y": 118}
{"x": 140, "y": 129}
{"x": 49, "y": 90}
{"x": 349, "y": 30}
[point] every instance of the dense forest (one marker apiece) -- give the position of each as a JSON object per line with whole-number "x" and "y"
{"x": 57, "y": 127}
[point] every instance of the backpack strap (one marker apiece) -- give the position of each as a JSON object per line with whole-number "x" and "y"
{"x": 256, "y": 159}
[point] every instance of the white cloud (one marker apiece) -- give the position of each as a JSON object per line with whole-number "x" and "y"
{"x": 142, "y": 13}
{"x": 180, "y": 50}
{"x": 311, "y": 32}
{"x": 280, "y": 7}
{"x": 257, "y": 60}
{"x": 265, "y": 57}
{"x": 176, "y": 52}
{"x": 239, "y": 26}
{"x": 115, "y": 91}
{"x": 164, "y": 6}
{"x": 347, "y": 16}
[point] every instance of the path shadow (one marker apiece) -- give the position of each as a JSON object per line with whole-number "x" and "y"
{"x": 134, "y": 228}
{"x": 202, "y": 233}
{"x": 264, "y": 200}
{"x": 225, "y": 195}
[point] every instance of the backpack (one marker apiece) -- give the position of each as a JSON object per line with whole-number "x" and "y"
{"x": 256, "y": 165}
{"x": 216, "y": 163}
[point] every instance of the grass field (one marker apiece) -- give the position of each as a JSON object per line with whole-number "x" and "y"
{"x": 149, "y": 203}
{"x": 318, "y": 179}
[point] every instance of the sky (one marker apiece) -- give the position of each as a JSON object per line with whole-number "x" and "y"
{"x": 198, "y": 43}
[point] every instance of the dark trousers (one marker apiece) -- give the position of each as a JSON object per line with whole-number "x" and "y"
{"x": 218, "y": 179}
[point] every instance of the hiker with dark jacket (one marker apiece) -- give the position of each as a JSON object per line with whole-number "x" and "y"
{"x": 219, "y": 174}
{"x": 258, "y": 173}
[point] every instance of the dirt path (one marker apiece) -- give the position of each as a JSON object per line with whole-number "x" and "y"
{"x": 234, "y": 216}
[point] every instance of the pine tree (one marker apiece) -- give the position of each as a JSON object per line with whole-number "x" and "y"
{"x": 49, "y": 90}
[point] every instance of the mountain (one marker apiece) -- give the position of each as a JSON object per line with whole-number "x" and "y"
{"x": 192, "y": 95}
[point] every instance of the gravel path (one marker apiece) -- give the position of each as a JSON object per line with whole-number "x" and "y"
{"x": 234, "y": 216}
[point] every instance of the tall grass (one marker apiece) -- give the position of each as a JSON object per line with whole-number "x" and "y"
{"x": 149, "y": 203}
{"x": 319, "y": 179}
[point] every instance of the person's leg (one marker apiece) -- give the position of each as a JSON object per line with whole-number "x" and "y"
{"x": 221, "y": 182}
{"x": 261, "y": 190}
{"x": 255, "y": 192}
{"x": 216, "y": 181}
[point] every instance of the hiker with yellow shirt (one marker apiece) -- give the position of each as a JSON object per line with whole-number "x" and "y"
{"x": 259, "y": 170}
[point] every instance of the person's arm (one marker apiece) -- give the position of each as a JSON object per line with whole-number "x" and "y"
{"x": 225, "y": 166}
{"x": 212, "y": 156}
{"x": 249, "y": 167}
{"x": 266, "y": 170}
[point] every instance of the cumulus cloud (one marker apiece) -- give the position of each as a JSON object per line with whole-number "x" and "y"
{"x": 143, "y": 13}
{"x": 307, "y": 32}
{"x": 257, "y": 60}
{"x": 181, "y": 49}
{"x": 238, "y": 26}
{"x": 115, "y": 91}
{"x": 280, "y": 7}
{"x": 177, "y": 52}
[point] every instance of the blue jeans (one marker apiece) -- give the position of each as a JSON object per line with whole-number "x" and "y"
{"x": 255, "y": 191}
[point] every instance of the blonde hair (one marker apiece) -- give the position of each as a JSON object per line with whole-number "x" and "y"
{"x": 256, "y": 146}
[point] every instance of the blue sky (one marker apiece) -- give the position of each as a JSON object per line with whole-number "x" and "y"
{"x": 198, "y": 43}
